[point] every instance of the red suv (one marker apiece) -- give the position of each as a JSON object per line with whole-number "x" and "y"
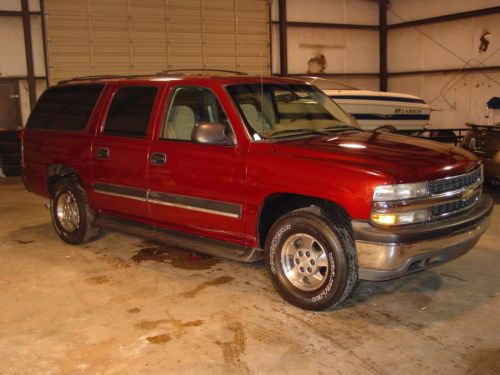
{"x": 246, "y": 168}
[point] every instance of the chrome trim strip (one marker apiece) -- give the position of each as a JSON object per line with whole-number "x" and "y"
{"x": 236, "y": 216}
{"x": 121, "y": 191}
{"x": 196, "y": 204}
{"x": 120, "y": 195}
{"x": 173, "y": 200}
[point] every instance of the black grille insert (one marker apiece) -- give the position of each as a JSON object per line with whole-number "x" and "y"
{"x": 456, "y": 206}
{"x": 454, "y": 183}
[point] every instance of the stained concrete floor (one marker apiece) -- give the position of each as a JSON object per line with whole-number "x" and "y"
{"x": 121, "y": 305}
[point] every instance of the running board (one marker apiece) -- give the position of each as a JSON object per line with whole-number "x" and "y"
{"x": 215, "y": 248}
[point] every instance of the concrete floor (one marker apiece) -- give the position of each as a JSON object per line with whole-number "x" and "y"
{"x": 121, "y": 305}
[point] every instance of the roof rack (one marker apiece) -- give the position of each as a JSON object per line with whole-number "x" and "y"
{"x": 162, "y": 73}
{"x": 98, "y": 77}
{"x": 169, "y": 71}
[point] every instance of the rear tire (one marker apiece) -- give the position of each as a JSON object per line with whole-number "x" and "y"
{"x": 12, "y": 171}
{"x": 9, "y": 136}
{"x": 71, "y": 214}
{"x": 10, "y": 160}
{"x": 8, "y": 148}
{"x": 311, "y": 259}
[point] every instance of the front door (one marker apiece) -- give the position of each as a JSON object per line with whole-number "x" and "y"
{"x": 9, "y": 105}
{"x": 120, "y": 152}
{"x": 196, "y": 187}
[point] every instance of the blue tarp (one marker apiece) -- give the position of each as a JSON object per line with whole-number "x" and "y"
{"x": 494, "y": 103}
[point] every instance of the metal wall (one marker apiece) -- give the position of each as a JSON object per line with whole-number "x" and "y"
{"x": 345, "y": 32}
{"x": 428, "y": 48}
{"x": 442, "y": 60}
{"x": 22, "y": 57}
{"x": 92, "y": 37}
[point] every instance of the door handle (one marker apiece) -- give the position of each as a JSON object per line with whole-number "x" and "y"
{"x": 102, "y": 153}
{"x": 158, "y": 158}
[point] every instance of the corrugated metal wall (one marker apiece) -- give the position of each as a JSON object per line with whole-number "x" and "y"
{"x": 346, "y": 51}
{"x": 89, "y": 37}
{"x": 458, "y": 97}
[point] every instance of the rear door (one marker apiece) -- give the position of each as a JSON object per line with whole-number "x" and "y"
{"x": 10, "y": 117}
{"x": 196, "y": 187}
{"x": 120, "y": 151}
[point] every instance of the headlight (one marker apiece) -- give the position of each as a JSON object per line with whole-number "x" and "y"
{"x": 400, "y": 191}
{"x": 386, "y": 209}
{"x": 400, "y": 218}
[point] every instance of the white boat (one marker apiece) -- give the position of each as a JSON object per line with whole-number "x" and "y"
{"x": 375, "y": 108}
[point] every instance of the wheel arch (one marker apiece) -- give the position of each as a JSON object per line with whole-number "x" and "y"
{"x": 276, "y": 205}
{"x": 57, "y": 171}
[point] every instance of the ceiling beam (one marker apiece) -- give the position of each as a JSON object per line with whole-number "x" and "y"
{"x": 447, "y": 17}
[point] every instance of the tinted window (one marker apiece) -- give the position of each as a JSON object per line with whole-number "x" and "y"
{"x": 191, "y": 105}
{"x": 65, "y": 108}
{"x": 129, "y": 112}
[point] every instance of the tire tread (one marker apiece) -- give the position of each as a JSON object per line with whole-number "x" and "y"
{"x": 339, "y": 224}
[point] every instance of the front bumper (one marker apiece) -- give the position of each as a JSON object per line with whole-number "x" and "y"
{"x": 385, "y": 254}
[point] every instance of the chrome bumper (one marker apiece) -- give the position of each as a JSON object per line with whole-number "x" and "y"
{"x": 380, "y": 260}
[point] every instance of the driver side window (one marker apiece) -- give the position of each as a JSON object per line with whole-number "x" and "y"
{"x": 188, "y": 107}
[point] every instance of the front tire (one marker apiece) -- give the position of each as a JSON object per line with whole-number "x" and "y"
{"x": 311, "y": 259}
{"x": 71, "y": 214}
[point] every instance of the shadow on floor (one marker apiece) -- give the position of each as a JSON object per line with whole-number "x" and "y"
{"x": 409, "y": 301}
{"x": 493, "y": 192}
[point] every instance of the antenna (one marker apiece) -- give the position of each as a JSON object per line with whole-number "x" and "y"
{"x": 261, "y": 117}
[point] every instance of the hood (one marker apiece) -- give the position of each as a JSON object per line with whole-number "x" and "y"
{"x": 395, "y": 157}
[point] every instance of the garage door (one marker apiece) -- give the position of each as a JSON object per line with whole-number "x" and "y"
{"x": 93, "y": 37}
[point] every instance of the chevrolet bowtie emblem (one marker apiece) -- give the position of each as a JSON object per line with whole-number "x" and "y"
{"x": 468, "y": 194}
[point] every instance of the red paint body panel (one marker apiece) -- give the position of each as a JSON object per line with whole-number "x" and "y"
{"x": 343, "y": 169}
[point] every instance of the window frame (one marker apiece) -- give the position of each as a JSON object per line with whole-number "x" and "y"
{"x": 115, "y": 90}
{"x": 171, "y": 97}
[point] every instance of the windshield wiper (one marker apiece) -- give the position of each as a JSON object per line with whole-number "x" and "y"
{"x": 325, "y": 131}
{"x": 300, "y": 130}
{"x": 341, "y": 128}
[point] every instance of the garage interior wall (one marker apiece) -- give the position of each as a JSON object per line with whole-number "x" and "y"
{"x": 456, "y": 97}
{"x": 351, "y": 53}
{"x": 416, "y": 55}
{"x": 93, "y": 37}
{"x": 14, "y": 56}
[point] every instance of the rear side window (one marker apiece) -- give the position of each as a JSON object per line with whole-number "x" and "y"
{"x": 129, "y": 112}
{"x": 65, "y": 108}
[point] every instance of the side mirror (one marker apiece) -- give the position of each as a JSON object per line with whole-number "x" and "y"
{"x": 211, "y": 133}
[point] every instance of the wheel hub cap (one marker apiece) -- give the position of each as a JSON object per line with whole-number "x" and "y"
{"x": 67, "y": 212}
{"x": 304, "y": 262}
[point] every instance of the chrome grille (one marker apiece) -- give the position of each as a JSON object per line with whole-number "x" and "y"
{"x": 454, "y": 183}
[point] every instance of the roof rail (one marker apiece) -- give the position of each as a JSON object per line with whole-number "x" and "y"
{"x": 169, "y": 72}
{"x": 95, "y": 78}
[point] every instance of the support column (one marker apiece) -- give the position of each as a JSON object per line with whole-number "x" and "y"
{"x": 382, "y": 16}
{"x": 283, "y": 38}
{"x": 29, "y": 52}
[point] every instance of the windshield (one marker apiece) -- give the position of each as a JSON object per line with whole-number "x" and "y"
{"x": 277, "y": 110}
